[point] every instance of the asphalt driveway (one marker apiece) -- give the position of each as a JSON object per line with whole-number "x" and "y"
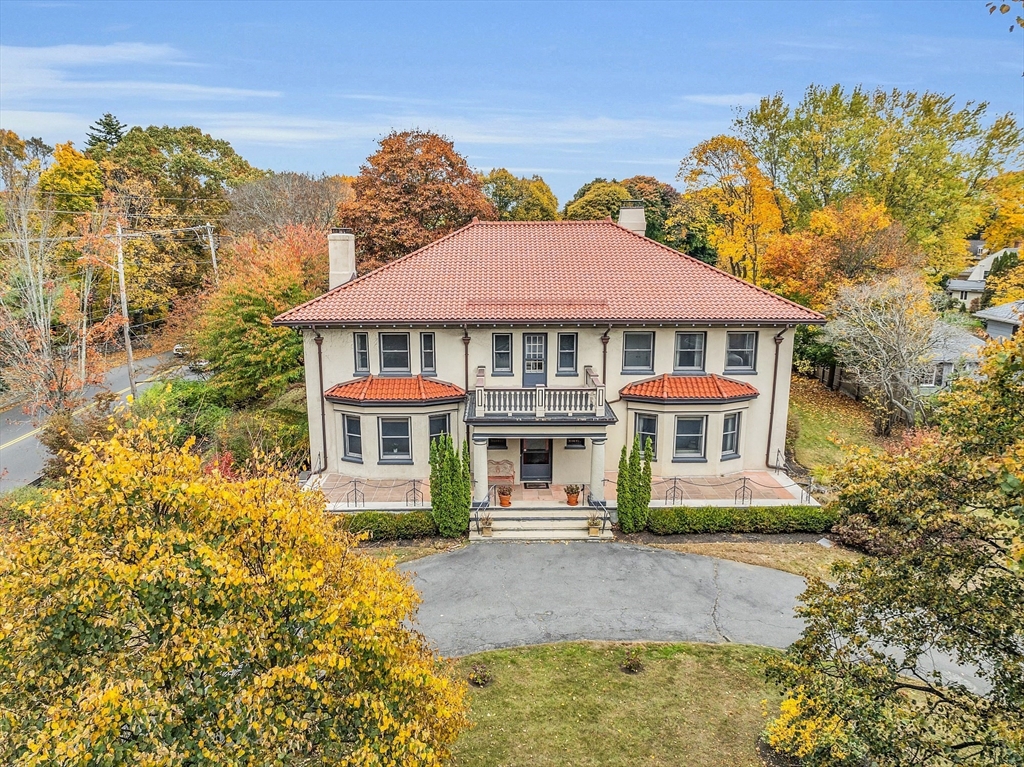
{"x": 490, "y": 595}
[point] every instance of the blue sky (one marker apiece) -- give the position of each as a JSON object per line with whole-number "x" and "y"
{"x": 567, "y": 90}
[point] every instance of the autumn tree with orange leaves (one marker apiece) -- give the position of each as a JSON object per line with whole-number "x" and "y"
{"x": 413, "y": 190}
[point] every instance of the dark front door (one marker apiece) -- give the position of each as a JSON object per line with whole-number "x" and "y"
{"x": 535, "y": 359}
{"x": 536, "y": 464}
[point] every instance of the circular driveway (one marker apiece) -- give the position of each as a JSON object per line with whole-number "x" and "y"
{"x": 490, "y": 595}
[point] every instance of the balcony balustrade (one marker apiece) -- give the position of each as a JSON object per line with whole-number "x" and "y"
{"x": 541, "y": 401}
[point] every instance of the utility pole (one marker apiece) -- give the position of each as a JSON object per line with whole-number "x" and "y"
{"x": 213, "y": 251}
{"x": 124, "y": 313}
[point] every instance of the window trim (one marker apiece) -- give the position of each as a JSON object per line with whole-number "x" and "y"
{"x": 576, "y": 447}
{"x": 628, "y": 370}
{"x": 355, "y": 351}
{"x": 432, "y": 369}
{"x": 346, "y": 452}
{"x": 495, "y": 370}
{"x": 703, "y": 351}
{"x": 559, "y": 370}
{"x": 404, "y": 458}
{"x": 408, "y": 354}
{"x": 637, "y": 415}
{"x": 702, "y": 457}
{"x": 752, "y": 369}
{"x": 727, "y": 456}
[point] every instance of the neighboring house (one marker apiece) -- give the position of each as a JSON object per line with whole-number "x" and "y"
{"x": 1002, "y": 321}
{"x": 953, "y": 350}
{"x": 548, "y": 346}
{"x": 969, "y": 286}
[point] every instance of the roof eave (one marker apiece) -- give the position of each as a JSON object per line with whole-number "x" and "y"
{"x": 481, "y": 321}
{"x": 688, "y": 400}
{"x": 395, "y": 402}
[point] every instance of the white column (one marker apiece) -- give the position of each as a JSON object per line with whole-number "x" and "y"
{"x": 597, "y": 468}
{"x": 479, "y": 469}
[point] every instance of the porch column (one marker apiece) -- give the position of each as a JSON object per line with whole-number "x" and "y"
{"x": 597, "y": 468}
{"x": 479, "y": 469}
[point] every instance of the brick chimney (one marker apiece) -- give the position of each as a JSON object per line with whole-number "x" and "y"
{"x": 631, "y": 216}
{"x": 341, "y": 250}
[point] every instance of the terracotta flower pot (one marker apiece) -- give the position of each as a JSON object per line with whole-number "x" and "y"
{"x": 505, "y": 500}
{"x": 574, "y": 499}
{"x": 595, "y": 531}
{"x": 486, "y": 531}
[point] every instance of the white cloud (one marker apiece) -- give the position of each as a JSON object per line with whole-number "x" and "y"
{"x": 725, "y": 99}
{"x": 56, "y": 72}
{"x": 51, "y": 126}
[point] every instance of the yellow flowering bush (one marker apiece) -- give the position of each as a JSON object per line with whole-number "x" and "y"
{"x": 803, "y": 730}
{"x": 156, "y": 614}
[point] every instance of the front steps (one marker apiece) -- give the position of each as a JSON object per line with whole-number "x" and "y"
{"x": 549, "y": 523}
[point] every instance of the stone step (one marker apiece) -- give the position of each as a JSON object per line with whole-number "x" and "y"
{"x": 538, "y": 535}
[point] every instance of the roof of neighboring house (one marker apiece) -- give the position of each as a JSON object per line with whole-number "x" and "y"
{"x": 952, "y": 344}
{"x": 971, "y": 286}
{"x": 706, "y": 389}
{"x": 525, "y": 272}
{"x": 980, "y": 270}
{"x": 1010, "y": 313}
{"x": 403, "y": 389}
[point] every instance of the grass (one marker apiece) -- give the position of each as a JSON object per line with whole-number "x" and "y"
{"x": 804, "y": 559}
{"x": 571, "y": 705}
{"x": 409, "y": 552}
{"x": 817, "y": 415}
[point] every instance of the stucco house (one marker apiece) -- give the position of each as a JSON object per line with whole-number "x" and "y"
{"x": 548, "y": 346}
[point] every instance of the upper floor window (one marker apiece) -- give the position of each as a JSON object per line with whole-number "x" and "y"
{"x": 689, "y": 436}
{"x": 689, "y": 351}
{"x": 740, "y": 351}
{"x": 394, "y": 353}
{"x": 353, "y": 437}
{"x": 638, "y": 352}
{"x": 646, "y": 428}
{"x": 502, "y": 353}
{"x": 428, "y": 363}
{"x": 362, "y": 348}
{"x": 439, "y": 424}
{"x": 566, "y": 352}
{"x": 731, "y": 435}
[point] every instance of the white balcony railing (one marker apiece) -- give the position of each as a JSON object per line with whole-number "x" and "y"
{"x": 540, "y": 401}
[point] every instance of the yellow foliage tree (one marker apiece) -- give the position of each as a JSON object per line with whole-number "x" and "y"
{"x": 73, "y": 181}
{"x": 1006, "y": 229}
{"x": 160, "y": 614}
{"x": 739, "y": 203}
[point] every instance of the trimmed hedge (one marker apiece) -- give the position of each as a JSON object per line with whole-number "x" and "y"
{"x": 743, "y": 519}
{"x": 384, "y": 526}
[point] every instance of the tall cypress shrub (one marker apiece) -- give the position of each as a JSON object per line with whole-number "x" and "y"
{"x": 450, "y": 493}
{"x": 642, "y": 495}
{"x": 623, "y": 496}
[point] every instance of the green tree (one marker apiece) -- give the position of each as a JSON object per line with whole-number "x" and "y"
{"x": 624, "y": 493}
{"x": 601, "y": 200}
{"x": 451, "y": 489}
{"x": 105, "y": 134}
{"x": 158, "y": 613}
{"x": 520, "y": 198}
{"x": 633, "y": 489}
{"x": 659, "y": 199}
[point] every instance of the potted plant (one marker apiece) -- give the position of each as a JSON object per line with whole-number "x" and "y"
{"x": 485, "y": 524}
{"x": 572, "y": 494}
{"x": 594, "y": 524}
{"x": 505, "y": 495}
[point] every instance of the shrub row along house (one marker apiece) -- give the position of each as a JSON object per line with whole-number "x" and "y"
{"x": 547, "y": 346}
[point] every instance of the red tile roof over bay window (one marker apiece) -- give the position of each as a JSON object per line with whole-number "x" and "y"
{"x": 559, "y": 271}
{"x": 405, "y": 389}
{"x": 669, "y": 388}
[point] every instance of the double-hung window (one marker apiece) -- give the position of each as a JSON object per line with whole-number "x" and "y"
{"x": 395, "y": 439}
{"x": 501, "y": 346}
{"x": 740, "y": 351}
{"x": 439, "y": 425}
{"x": 394, "y": 353}
{"x": 646, "y": 428}
{"x": 731, "y": 435}
{"x": 566, "y": 353}
{"x": 428, "y": 362}
{"x": 353, "y": 438}
{"x": 689, "y": 351}
{"x": 689, "y": 436}
{"x": 361, "y": 344}
{"x": 637, "y": 352}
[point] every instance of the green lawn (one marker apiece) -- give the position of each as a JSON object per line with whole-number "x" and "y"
{"x": 816, "y": 415}
{"x": 570, "y": 704}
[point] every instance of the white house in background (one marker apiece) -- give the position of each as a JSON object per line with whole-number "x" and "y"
{"x": 1004, "y": 320}
{"x": 548, "y": 346}
{"x": 969, "y": 286}
{"x": 953, "y": 350}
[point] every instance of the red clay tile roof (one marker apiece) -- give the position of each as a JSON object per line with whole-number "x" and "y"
{"x": 670, "y": 388}
{"x": 405, "y": 389}
{"x": 519, "y": 272}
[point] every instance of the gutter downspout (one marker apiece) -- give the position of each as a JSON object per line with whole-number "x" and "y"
{"x": 319, "y": 341}
{"x": 771, "y": 411}
{"x": 604, "y": 355}
{"x": 465, "y": 346}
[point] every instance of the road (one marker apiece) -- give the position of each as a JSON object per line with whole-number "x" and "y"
{"x": 21, "y": 453}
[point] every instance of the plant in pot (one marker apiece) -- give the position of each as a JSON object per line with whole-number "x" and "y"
{"x": 505, "y": 495}
{"x": 485, "y": 525}
{"x": 594, "y": 523}
{"x": 572, "y": 494}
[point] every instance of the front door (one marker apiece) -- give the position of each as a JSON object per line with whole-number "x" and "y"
{"x": 536, "y": 463}
{"x": 535, "y": 359}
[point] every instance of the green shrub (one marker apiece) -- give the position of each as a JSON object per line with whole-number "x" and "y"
{"x": 197, "y": 409}
{"x": 681, "y": 520}
{"x": 451, "y": 486}
{"x": 391, "y": 526}
{"x": 633, "y": 487}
